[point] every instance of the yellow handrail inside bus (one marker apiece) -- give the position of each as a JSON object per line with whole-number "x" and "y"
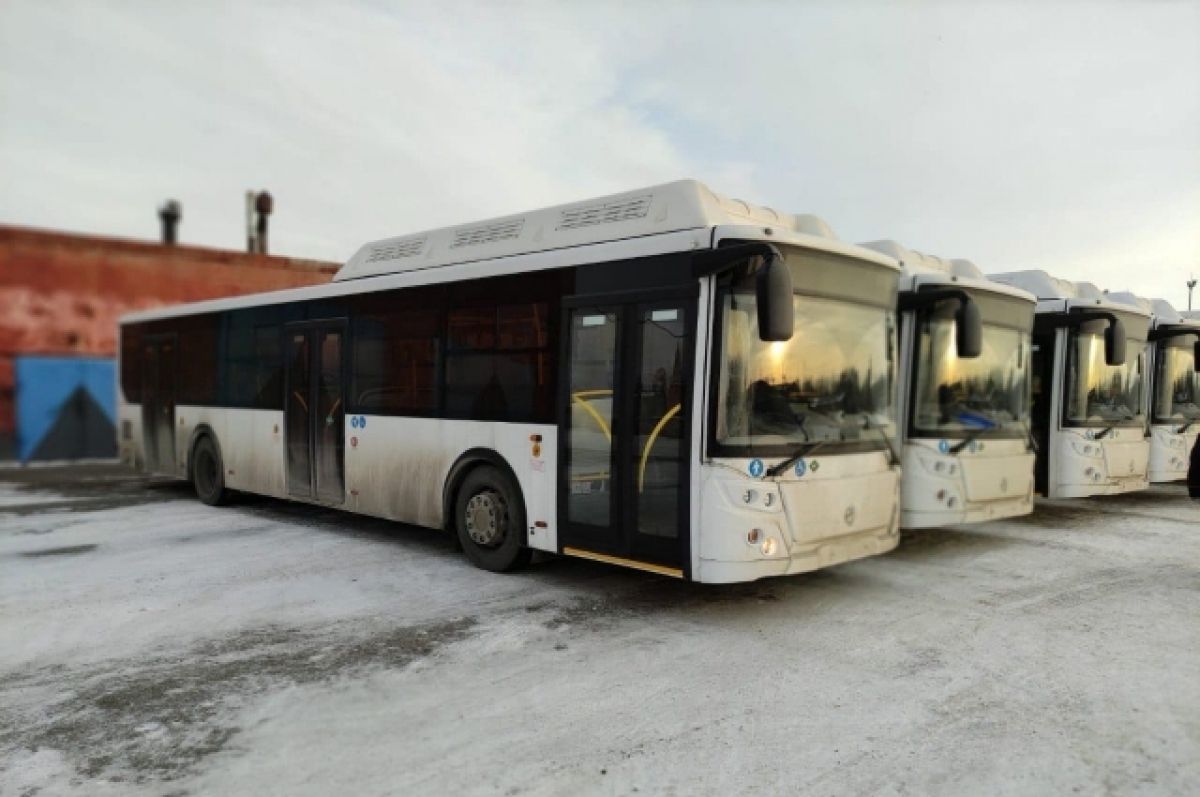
{"x": 658, "y": 427}
{"x": 580, "y": 398}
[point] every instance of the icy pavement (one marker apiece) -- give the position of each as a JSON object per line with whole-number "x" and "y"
{"x": 152, "y": 645}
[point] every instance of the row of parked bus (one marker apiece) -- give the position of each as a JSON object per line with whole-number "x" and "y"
{"x": 666, "y": 379}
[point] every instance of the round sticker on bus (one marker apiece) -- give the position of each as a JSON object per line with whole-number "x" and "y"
{"x": 362, "y": 421}
{"x": 354, "y": 421}
{"x": 801, "y": 468}
{"x": 756, "y": 468}
{"x": 944, "y": 446}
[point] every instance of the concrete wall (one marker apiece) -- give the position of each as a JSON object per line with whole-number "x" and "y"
{"x": 61, "y": 295}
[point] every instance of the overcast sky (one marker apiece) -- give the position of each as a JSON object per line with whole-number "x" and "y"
{"x": 1019, "y": 135}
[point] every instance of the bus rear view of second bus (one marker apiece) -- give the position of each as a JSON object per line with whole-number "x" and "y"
{"x": 963, "y": 392}
{"x": 1088, "y": 388}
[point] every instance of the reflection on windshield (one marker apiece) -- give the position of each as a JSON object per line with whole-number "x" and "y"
{"x": 832, "y": 382}
{"x": 1099, "y": 394}
{"x": 1177, "y": 393}
{"x": 990, "y": 391}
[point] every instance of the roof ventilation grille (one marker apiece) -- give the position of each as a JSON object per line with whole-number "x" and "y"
{"x": 487, "y": 233}
{"x": 605, "y": 213}
{"x": 397, "y": 250}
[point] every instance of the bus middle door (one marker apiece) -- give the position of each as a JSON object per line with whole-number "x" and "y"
{"x": 625, "y": 432}
{"x": 315, "y": 411}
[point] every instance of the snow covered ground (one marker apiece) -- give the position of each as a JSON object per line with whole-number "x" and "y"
{"x": 152, "y": 645}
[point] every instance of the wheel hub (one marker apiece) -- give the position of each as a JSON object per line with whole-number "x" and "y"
{"x": 486, "y": 518}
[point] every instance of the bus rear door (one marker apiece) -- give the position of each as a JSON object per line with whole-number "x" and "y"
{"x": 315, "y": 411}
{"x": 158, "y": 402}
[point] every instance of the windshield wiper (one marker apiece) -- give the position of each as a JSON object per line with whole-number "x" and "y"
{"x": 1108, "y": 429}
{"x": 982, "y": 424}
{"x": 968, "y": 438}
{"x": 801, "y": 452}
{"x": 893, "y": 454}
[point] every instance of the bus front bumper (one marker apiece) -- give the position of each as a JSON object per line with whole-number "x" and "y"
{"x": 846, "y": 508}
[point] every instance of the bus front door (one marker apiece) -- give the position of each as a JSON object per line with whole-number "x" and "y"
{"x": 625, "y": 433}
{"x": 314, "y": 414}
{"x": 158, "y": 403}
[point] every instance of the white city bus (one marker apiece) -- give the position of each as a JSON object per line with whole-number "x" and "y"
{"x": 664, "y": 378}
{"x": 1173, "y": 397}
{"x": 1088, "y": 383}
{"x": 964, "y": 392}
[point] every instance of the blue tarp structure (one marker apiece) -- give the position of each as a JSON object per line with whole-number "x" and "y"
{"x": 66, "y": 408}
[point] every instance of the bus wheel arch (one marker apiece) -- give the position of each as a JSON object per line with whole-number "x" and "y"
{"x": 206, "y": 466}
{"x": 484, "y": 506}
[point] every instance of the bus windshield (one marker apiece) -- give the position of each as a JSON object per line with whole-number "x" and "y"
{"x": 955, "y": 396}
{"x": 1099, "y": 394}
{"x": 1177, "y": 383}
{"x": 831, "y": 384}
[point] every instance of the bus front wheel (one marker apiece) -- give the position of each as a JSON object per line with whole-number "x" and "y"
{"x": 208, "y": 474}
{"x": 490, "y": 521}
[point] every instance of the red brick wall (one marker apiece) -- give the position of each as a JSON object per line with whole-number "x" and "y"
{"x": 62, "y": 293}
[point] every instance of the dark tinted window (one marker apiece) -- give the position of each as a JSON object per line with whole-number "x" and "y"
{"x": 268, "y": 372}
{"x": 197, "y": 347}
{"x": 471, "y": 328}
{"x": 131, "y": 362}
{"x": 499, "y": 365}
{"x": 395, "y": 361}
{"x": 253, "y": 374}
{"x": 238, "y": 387}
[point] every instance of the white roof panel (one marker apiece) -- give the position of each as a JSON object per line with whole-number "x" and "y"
{"x": 670, "y": 207}
{"x": 918, "y": 268}
{"x": 1049, "y": 289}
{"x": 1162, "y": 313}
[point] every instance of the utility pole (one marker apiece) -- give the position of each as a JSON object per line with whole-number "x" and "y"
{"x": 1191, "y": 284}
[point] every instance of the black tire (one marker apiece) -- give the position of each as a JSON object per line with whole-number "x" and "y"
{"x": 208, "y": 473}
{"x": 489, "y": 520}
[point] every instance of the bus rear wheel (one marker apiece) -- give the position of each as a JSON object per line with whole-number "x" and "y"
{"x": 208, "y": 473}
{"x": 489, "y": 520}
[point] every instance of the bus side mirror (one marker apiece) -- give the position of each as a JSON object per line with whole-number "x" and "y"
{"x": 1196, "y": 355}
{"x": 773, "y": 290}
{"x": 1114, "y": 343}
{"x": 968, "y": 329}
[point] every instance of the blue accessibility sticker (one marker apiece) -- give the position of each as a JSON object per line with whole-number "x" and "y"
{"x": 944, "y": 446}
{"x": 354, "y": 421}
{"x": 362, "y": 421}
{"x": 801, "y": 468}
{"x": 756, "y": 468}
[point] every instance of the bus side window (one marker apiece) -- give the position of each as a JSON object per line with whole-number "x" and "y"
{"x": 498, "y": 362}
{"x": 395, "y": 362}
{"x": 131, "y": 362}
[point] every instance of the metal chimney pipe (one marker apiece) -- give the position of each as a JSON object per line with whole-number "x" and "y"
{"x": 170, "y": 212}
{"x": 251, "y": 244}
{"x": 263, "y": 204}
